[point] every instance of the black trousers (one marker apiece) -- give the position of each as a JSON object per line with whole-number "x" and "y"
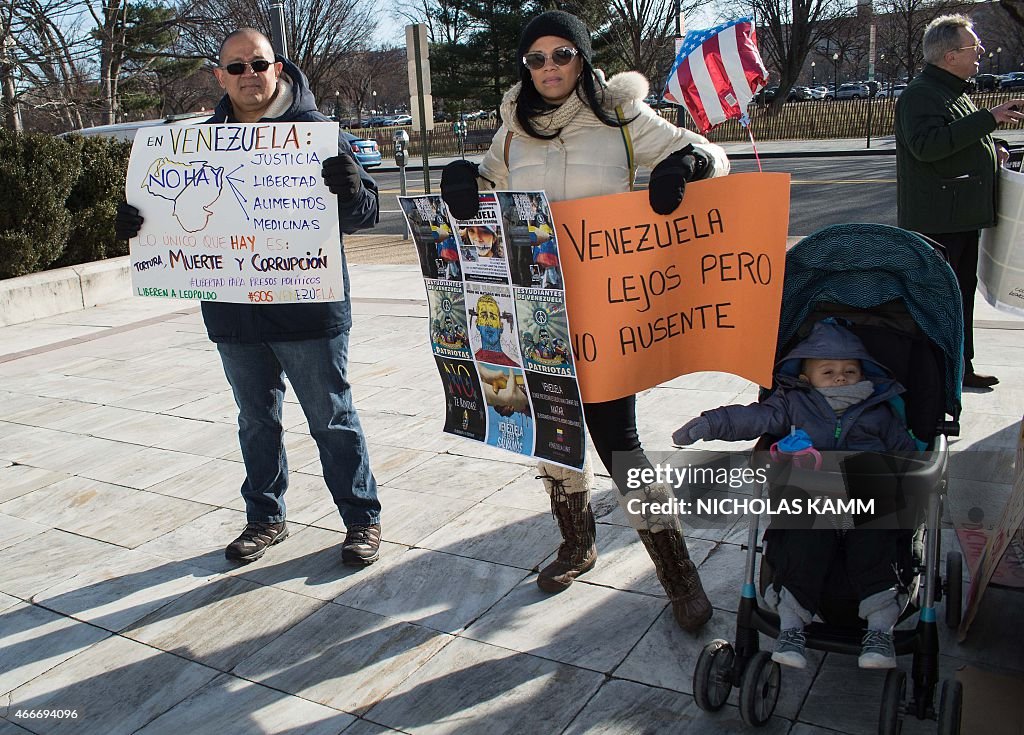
{"x": 612, "y": 426}
{"x": 962, "y": 252}
{"x": 802, "y": 561}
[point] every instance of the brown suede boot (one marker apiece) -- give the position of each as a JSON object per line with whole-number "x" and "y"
{"x": 690, "y": 606}
{"x": 578, "y": 552}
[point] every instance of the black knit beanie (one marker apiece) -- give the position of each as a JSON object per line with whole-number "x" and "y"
{"x": 557, "y": 23}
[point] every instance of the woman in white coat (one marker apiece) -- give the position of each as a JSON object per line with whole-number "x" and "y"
{"x": 565, "y": 130}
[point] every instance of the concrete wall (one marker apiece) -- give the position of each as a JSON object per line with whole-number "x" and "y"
{"x": 39, "y": 295}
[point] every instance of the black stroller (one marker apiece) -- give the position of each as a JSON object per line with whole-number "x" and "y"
{"x": 898, "y": 295}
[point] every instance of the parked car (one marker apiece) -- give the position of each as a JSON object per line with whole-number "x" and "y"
{"x": 656, "y": 102}
{"x": 853, "y": 91}
{"x": 986, "y": 82}
{"x": 819, "y": 92}
{"x": 401, "y": 120}
{"x": 126, "y": 130}
{"x": 799, "y": 93}
{"x": 363, "y": 150}
{"x": 1013, "y": 80}
{"x": 894, "y": 92}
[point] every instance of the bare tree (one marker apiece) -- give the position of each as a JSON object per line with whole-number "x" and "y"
{"x": 787, "y": 30}
{"x": 321, "y": 34}
{"x": 46, "y": 53}
{"x": 901, "y": 29}
{"x": 446, "y": 20}
{"x": 365, "y": 72}
{"x": 10, "y": 110}
{"x": 639, "y": 34}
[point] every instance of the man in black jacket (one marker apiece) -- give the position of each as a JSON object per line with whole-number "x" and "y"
{"x": 260, "y": 344}
{"x": 946, "y": 164}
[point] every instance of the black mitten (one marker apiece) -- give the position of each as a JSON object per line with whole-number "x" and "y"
{"x": 460, "y": 190}
{"x": 341, "y": 174}
{"x": 127, "y": 221}
{"x": 693, "y": 430}
{"x": 668, "y": 179}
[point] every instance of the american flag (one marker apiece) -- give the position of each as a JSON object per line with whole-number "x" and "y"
{"x": 716, "y": 73}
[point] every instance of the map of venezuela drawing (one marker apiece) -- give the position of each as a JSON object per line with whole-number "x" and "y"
{"x": 192, "y": 187}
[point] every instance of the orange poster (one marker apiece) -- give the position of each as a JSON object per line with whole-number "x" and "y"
{"x": 652, "y": 297}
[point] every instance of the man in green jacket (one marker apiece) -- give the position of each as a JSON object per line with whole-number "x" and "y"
{"x": 946, "y": 162}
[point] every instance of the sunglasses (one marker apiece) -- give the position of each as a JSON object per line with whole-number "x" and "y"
{"x": 561, "y": 56}
{"x": 257, "y": 65}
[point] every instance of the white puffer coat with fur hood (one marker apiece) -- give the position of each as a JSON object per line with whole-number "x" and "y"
{"x": 588, "y": 158}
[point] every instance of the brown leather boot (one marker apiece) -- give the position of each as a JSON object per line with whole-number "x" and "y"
{"x": 578, "y": 552}
{"x": 678, "y": 575}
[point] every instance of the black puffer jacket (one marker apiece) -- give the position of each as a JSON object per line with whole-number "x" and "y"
{"x": 291, "y": 322}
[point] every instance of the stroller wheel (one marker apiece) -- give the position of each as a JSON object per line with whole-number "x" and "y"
{"x": 950, "y": 700}
{"x": 954, "y": 588}
{"x": 759, "y": 689}
{"x": 895, "y": 689}
{"x": 712, "y": 677}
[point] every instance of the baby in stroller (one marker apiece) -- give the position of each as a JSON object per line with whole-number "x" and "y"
{"x": 830, "y": 388}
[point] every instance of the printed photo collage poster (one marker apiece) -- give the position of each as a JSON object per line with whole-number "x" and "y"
{"x": 235, "y": 213}
{"x": 499, "y": 329}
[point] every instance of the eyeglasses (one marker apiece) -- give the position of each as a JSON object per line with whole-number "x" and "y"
{"x": 561, "y": 56}
{"x": 238, "y": 67}
{"x": 978, "y": 48}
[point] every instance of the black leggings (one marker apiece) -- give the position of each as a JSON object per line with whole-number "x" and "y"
{"x": 612, "y": 426}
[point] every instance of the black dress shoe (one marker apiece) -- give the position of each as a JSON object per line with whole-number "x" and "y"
{"x": 255, "y": 540}
{"x": 973, "y": 380}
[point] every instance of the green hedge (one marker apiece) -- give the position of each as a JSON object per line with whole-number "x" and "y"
{"x": 93, "y": 202}
{"x": 59, "y": 197}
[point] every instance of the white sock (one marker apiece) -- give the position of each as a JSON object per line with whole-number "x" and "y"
{"x": 881, "y": 610}
{"x": 791, "y": 613}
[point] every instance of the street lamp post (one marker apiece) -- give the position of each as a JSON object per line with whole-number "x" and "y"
{"x": 337, "y": 105}
{"x": 999, "y": 52}
{"x": 990, "y": 55}
{"x": 835, "y": 72}
{"x": 812, "y": 73}
{"x": 374, "y": 93}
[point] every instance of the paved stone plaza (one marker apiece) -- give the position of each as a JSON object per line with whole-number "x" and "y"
{"x": 119, "y": 476}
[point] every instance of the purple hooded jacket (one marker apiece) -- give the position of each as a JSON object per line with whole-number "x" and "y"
{"x": 871, "y": 425}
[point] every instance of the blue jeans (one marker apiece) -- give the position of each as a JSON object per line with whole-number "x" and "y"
{"x": 317, "y": 370}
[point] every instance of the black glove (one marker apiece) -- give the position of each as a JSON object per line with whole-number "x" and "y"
{"x": 127, "y": 221}
{"x": 459, "y": 189}
{"x": 668, "y": 179}
{"x": 341, "y": 174}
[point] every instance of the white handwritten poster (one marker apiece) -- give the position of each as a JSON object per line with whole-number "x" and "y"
{"x": 235, "y": 213}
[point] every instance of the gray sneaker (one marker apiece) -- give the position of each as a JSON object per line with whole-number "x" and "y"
{"x": 789, "y": 648}
{"x": 878, "y": 651}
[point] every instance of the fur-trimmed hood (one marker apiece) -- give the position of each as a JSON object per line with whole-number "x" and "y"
{"x": 622, "y": 89}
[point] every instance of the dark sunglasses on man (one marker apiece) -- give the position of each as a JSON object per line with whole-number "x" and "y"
{"x": 562, "y": 56}
{"x": 238, "y": 67}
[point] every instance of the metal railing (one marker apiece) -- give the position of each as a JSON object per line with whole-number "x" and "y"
{"x": 810, "y": 120}
{"x": 827, "y": 119}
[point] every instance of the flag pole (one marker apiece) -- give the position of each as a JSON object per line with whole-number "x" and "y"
{"x": 745, "y": 122}
{"x": 680, "y": 28}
